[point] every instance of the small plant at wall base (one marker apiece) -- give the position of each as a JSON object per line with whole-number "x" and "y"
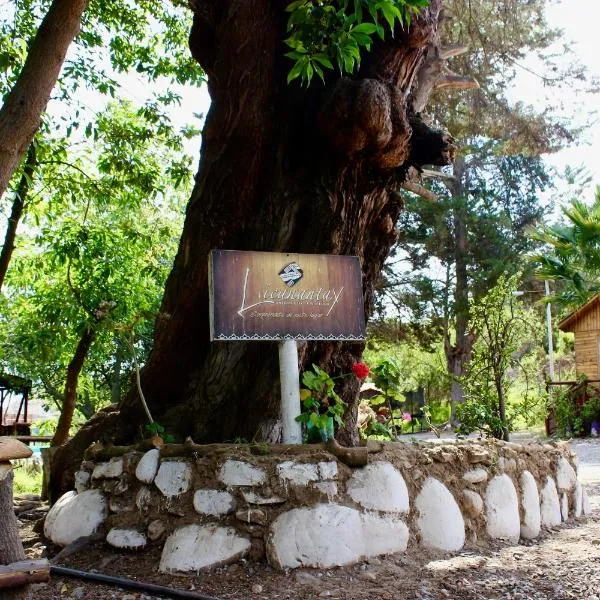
{"x": 322, "y": 406}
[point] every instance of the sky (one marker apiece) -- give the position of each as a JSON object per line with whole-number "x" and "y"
{"x": 579, "y": 20}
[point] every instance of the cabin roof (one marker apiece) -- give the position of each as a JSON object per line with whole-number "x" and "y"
{"x": 569, "y": 321}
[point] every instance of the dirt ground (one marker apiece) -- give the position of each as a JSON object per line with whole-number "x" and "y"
{"x": 563, "y": 565}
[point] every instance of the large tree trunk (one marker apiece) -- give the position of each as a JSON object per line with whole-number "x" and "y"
{"x": 20, "y": 115}
{"x": 17, "y": 211}
{"x": 282, "y": 169}
{"x": 459, "y": 353}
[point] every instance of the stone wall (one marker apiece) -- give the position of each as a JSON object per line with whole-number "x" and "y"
{"x": 299, "y": 506}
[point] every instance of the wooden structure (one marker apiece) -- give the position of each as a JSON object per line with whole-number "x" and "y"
{"x": 14, "y": 415}
{"x": 585, "y": 324}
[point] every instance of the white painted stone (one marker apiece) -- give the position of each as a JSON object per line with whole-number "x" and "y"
{"x": 194, "y": 547}
{"x": 578, "y": 500}
{"x": 474, "y": 502}
{"x": 253, "y": 498}
{"x": 379, "y": 486}
{"x": 475, "y": 476}
{"x": 328, "y": 469}
{"x": 530, "y": 501}
{"x": 238, "y": 472}
{"x": 108, "y": 470}
{"x": 129, "y": 539}
{"x": 74, "y": 516}
{"x": 502, "y": 509}
{"x": 566, "y": 478}
{"x": 143, "y": 498}
{"x": 329, "y": 488}
{"x": 82, "y": 481}
{"x": 148, "y": 466}
{"x": 173, "y": 478}
{"x": 587, "y": 509}
{"x": 328, "y": 535}
{"x": 299, "y": 474}
{"x": 440, "y": 521}
{"x": 213, "y": 502}
{"x": 550, "y": 504}
{"x": 564, "y": 507}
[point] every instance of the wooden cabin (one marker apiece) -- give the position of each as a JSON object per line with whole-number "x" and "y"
{"x": 585, "y": 324}
{"x": 14, "y": 405}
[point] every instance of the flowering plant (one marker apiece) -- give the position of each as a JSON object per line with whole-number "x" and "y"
{"x": 322, "y": 406}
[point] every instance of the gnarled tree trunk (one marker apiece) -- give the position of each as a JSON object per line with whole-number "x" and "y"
{"x": 282, "y": 169}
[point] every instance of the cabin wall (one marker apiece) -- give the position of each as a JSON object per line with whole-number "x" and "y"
{"x": 586, "y": 353}
{"x": 587, "y": 334}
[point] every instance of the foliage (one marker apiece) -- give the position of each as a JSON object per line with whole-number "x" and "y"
{"x": 102, "y": 232}
{"x": 335, "y": 33}
{"x": 571, "y": 255}
{"x": 501, "y": 200}
{"x": 156, "y": 429}
{"x": 320, "y": 401}
{"x": 27, "y": 477}
{"x": 506, "y": 334}
{"x": 416, "y": 367}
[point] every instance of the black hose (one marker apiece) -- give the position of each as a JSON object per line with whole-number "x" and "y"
{"x": 129, "y": 584}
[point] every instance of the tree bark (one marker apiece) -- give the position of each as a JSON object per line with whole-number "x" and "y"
{"x": 61, "y": 435}
{"x": 282, "y": 169}
{"x": 11, "y": 548}
{"x": 20, "y": 115}
{"x": 458, "y": 354}
{"x": 17, "y": 211}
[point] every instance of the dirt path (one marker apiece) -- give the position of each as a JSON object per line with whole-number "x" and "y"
{"x": 560, "y": 566}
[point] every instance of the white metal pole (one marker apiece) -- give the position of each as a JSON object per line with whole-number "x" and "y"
{"x": 549, "y": 324}
{"x": 289, "y": 376}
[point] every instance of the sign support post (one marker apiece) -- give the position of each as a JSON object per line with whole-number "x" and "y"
{"x": 289, "y": 376}
{"x": 285, "y": 297}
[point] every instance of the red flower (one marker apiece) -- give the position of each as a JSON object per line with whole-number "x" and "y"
{"x": 360, "y": 370}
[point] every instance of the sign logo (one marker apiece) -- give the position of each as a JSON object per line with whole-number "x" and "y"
{"x": 291, "y": 274}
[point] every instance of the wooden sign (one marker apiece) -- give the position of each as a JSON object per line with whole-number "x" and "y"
{"x": 272, "y": 296}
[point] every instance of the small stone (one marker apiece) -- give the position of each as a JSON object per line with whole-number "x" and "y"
{"x": 329, "y": 488}
{"x": 304, "y": 578}
{"x": 257, "y": 588}
{"x": 475, "y": 476}
{"x": 156, "y": 529}
{"x": 147, "y": 468}
{"x": 328, "y": 469}
{"x": 213, "y": 502}
{"x": 78, "y": 592}
{"x": 118, "y": 504}
{"x": 173, "y": 478}
{"x": 473, "y": 502}
{"x": 108, "y": 470}
{"x": 82, "y": 481}
{"x": 299, "y": 474}
{"x": 252, "y": 515}
{"x": 566, "y": 478}
{"x": 143, "y": 498}
{"x": 478, "y": 456}
{"x": 129, "y": 539}
{"x": 253, "y": 498}
{"x": 238, "y": 472}
{"x": 129, "y": 597}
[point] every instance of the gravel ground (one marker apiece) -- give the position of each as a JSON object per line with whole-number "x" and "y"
{"x": 562, "y": 565}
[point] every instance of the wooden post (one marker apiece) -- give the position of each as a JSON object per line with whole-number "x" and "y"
{"x": 289, "y": 375}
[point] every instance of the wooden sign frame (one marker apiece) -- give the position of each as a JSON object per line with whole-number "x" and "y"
{"x": 285, "y": 296}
